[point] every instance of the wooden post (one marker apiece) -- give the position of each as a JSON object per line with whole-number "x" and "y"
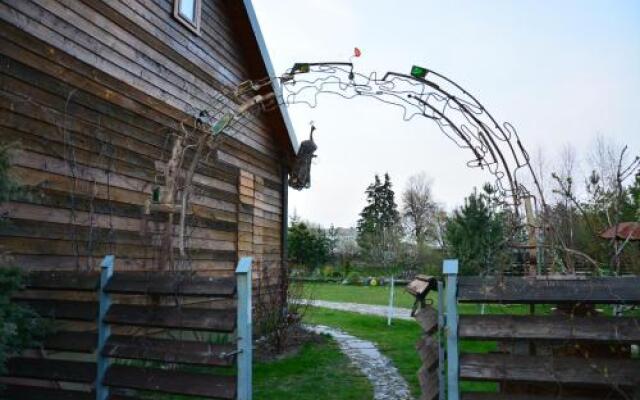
{"x": 540, "y": 249}
{"x": 104, "y": 330}
{"x": 450, "y": 270}
{"x": 244, "y": 328}
{"x": 531, "y": 232}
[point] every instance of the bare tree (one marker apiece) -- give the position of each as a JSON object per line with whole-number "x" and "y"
{"x": 568, "y": 163}
{"x": 419, "y": 210}
{"x": 346, "y": 244}
{"x": 610, "y": 167}
{"x": 541, "y": 166}
{"x": 603, "y": 160}
{"x": 624, "y": 170}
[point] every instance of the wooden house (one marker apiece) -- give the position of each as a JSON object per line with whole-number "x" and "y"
{"x": 95, "y": 94}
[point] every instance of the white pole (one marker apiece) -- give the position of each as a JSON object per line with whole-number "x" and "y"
{"x": 450, "y": 270}
{"x": 390, "y": 312}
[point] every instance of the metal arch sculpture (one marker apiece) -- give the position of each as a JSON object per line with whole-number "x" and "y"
{"x": 426, "y": 93}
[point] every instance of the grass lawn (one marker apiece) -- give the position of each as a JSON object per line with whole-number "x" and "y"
{"x": 397, "y": 341}
{"x": 318, "y": 371}
{"x": 379, "y": 295}
{"x": 357, "y": 294}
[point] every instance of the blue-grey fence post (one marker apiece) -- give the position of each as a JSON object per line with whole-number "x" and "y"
{"x": 106, "y": 271}
{"x": 244, "y": 329}
{"x": 441, "y": 326}
{"x": 450, "y": 270}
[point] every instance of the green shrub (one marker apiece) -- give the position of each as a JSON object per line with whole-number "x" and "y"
{"x": 433, "y": 270}
{"x": 20, "y": 326}
{"x": 336, "y": 274}
{"x": 307, "y": 245}
{"x": 329, "y": 272}
{"x": 354, "y": 278}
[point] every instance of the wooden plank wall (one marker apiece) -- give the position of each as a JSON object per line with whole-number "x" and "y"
{"x": 92, "y": 91}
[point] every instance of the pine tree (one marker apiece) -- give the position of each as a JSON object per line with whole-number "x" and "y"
{"x": 389, "y": 210}
{"x": 379, "y": 224}
{"x": 332, "y": 241}
{"x": 475, "y": 234}
{"x": 307, "y": 245}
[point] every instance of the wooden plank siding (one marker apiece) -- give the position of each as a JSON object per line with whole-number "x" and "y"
{"x": 92, "y": 92}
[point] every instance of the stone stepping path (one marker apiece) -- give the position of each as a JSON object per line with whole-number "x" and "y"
{"x": 387, "y": 382}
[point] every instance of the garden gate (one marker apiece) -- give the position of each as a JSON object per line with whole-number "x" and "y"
{"x": 123, "y": 336}
{"x": 551, "y": 340}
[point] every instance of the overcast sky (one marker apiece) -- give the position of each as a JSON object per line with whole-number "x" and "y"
{"x": 560, "y": 71}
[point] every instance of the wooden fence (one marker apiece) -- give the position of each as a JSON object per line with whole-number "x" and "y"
{"x": 574, "y": 351}
{"x": 124, "y": 336}
{"x": 554, "y": 338}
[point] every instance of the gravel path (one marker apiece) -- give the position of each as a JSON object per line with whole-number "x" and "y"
{"x": 398, "y": 312}
{"x": 387, "y": 383}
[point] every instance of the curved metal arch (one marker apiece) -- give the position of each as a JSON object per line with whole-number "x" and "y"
{"x": 459, "y": 115}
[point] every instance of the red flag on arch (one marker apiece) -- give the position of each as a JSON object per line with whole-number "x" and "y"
{"x": 357, "y": 52}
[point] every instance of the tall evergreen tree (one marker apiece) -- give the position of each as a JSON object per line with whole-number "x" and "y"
{"x": 379, "y": 228}
{"x": 332, "y": 241}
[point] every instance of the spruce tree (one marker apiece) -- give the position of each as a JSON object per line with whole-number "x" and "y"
{"x": 378, "y": 227}
{"x": 475, "y": 234}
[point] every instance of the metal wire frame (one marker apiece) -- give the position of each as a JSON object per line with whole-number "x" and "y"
{"x": 459, "y": 115}
{"x": 495, "y": 147}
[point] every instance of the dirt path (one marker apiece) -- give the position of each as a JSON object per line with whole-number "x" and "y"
{"x": 387, "y": 382}
{"x": 369, "y": 309}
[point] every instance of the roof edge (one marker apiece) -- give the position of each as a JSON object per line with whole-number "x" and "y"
{"x": 255, "y": 27}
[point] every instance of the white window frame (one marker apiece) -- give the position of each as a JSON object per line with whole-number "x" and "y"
{"x": 194, "y": 26}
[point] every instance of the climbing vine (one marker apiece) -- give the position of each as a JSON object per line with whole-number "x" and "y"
{"x": 20, "y": 326}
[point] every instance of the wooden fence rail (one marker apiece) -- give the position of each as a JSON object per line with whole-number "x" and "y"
{"x": 571, "y": 350}
{"x": 549, "y": 290}
{"x": 130, "y": 335}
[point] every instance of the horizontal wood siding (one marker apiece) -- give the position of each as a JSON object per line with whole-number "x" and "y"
{"x": 92, "y": 92}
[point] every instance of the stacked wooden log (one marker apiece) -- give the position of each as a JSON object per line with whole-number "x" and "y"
{"x": 427, "y": 347}
{"x": 427, "y": 317}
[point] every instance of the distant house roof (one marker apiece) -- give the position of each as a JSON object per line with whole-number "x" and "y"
{"x": 623, "y": 231}
{"x": 260, "y": 66}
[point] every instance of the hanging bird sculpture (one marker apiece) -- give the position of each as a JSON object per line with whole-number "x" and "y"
{"x": 300, "y": 176}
